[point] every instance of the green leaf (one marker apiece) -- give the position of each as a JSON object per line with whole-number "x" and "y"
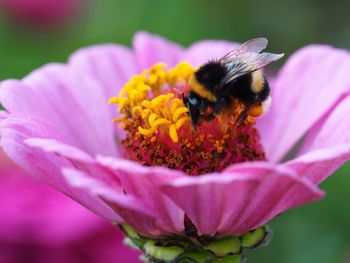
{"x": 255, "y": 238}
{"x": 224, "y": 247}
{"x": 162, "y": 253}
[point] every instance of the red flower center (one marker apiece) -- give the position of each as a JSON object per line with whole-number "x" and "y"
{"x": 160, "y": 133}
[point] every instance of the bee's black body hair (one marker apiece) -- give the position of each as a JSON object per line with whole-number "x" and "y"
{"x": 211, "y": 74}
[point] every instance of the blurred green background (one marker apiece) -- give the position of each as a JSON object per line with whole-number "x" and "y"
{"x": 319, "y": 232}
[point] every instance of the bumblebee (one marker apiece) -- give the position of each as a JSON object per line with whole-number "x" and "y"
{"x": 237, "y": 75}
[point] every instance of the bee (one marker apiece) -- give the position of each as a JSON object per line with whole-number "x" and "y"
{"x": 237, "y": 75}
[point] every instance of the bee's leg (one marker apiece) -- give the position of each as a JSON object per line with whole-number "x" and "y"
{"x": 203, "y": 106}
{"x": 222, "y": 104}
{"x": 203, "y": 109}
{"x": 193, "y": 102}
{"x": 243, "y": 115}
{"x": 194, "y": 115}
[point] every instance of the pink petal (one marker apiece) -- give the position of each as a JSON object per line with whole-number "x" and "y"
{"x": 241, "y": 198}
{"x": 203, "y": 51}
{"x": 15, "y": 130}
{"x": 47, "y": 216}
{"x": 152, "y": 49}
{"x": 54, "y": 146}
{"x": 79, "y": 179}
{"x": 110, "y": 65}
{"x": 331, "y": 130}
{"x": 3, "y": 115}
{"x": 134, "y": 211}
{"x": 143, "y": 183}
{"x": 101, "y": 178}
{"x": 80, "y": 160}
{"x": 326, "y": 147}
{"x": 39, "y": 223}
{"x": 308, "y": 86}
{"x": 317, "y": 165}
{"x": 73, "y": 103}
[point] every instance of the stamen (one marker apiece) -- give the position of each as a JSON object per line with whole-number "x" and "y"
{"x": 159, "y": 130}
{"x": 164, "y": 111}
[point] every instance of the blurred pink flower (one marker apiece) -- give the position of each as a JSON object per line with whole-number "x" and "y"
{"x": 42, "y": 13}
{"x": 38, "y": 224}
{"x": 57, "y": 126}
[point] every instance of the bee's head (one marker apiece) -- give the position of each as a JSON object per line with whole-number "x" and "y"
{"x": 192, "y": 102}
{"x": 210, "y": 74}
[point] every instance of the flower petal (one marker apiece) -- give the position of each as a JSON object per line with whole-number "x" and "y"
{"x": 54, "y": 146}
{"x": 73, "y": 103}
{"x": 110, "y": 176}
{"x": 132, "y": 210}
{"x": 309, "y": 85}
{"x": 326, "y": 147}
{"x": 111, "y": 65}
{"x": 52, "y": 218}
{"x": 143, "y": 183}
{"x": 241, "y": 198}
{"x": 331, "y": 130}
{"x": 80, "y": 160}
{"x": 203, "y": 51}
{"x": 3, "y": 115}
{"x": 151, "y": 49}
{"x": 15, "y": 130}
{"x": 89, "y": 177}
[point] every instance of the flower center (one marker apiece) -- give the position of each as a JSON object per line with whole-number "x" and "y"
{"x": 160, "y": 132}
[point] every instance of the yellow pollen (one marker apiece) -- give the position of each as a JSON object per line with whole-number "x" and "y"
{"x": 173, "y": 133}
{"x": 119, "y": 119}
{"x": 142, "y": 101}
{"x": 180, "y": 74}
{"x": 181, "y": 121}
{"x": 256, "y": 111}
{"x": 160, "y": 112}
{"x": 178, "y": 112}
{"x": 156, "y": 76}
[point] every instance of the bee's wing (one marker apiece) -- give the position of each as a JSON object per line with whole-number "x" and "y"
{"x": 255, "y": 45}
{"x": 246, "y": 58}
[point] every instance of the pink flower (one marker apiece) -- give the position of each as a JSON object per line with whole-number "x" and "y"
{"x": 57, "y": 126}
{"x": 39, "y": 12}
{"x": 38, "y": 224}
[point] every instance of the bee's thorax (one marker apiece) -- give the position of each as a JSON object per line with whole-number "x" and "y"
{"x": 199, "y": 89}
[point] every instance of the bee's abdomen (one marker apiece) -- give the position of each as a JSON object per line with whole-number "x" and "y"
{"x": 240, "y": 89}
{"x": 265, "y": 91}
{"x": 258, "y": 81}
